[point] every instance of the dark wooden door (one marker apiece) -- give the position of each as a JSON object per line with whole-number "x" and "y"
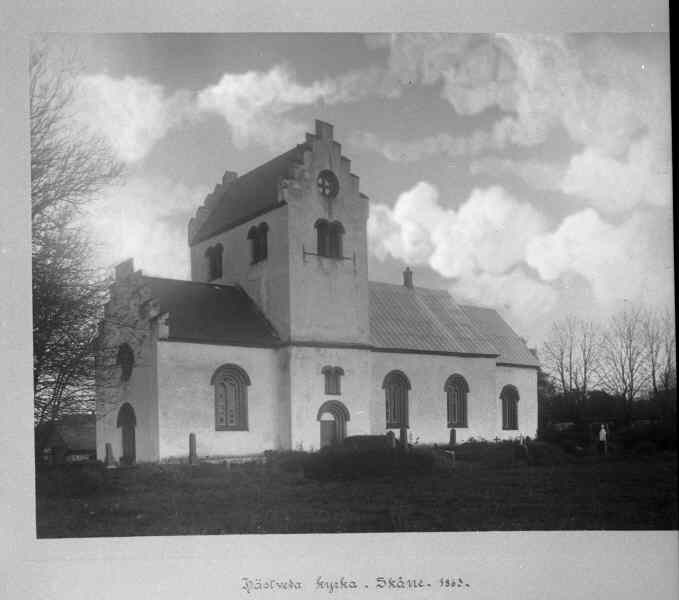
{"x": 328, "y": 433}
{"x": 129, "y": 450}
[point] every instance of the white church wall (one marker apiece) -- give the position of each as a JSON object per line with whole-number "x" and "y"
{"x": 186, "y": 399}
{"x": 427, "y": 398}
{"x": 125, "y": 323}
{"x": 266, "y": 281}
{"x": 308, "y": 391}
{"x": 525, "y": 379}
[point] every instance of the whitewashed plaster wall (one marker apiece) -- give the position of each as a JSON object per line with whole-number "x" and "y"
{"x": 308, "y": 391}
{"x": 427, "y": 398}
{"x": 187, "y": 400}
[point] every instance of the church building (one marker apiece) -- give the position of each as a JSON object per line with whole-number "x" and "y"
{"x": 281, "y": 341}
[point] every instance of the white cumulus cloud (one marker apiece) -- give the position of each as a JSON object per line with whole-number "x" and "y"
{"x": 146, "y": 218}
{"x": 131, "y": 113}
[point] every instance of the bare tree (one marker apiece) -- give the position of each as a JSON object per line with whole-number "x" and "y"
{"x": 667, "y": 365}
{"x": 69, "y": 167}
{"x": 624, "y": 367}
{"x": 571, "y": 357}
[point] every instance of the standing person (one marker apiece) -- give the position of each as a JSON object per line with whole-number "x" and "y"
{"x": 602, "y": 440}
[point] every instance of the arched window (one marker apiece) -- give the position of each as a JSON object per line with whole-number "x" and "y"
{"x": 259, "y": 245}
{"x": 510, "y": 407}
{"x": 125, "y": 360}
{"x": 231, "y": 398}
{"x": 333, "y": 379}
{"x": 396, "y": 386}
{"x": 214, "y": 255}
{"x": 456, "y": 389}
{"x": 329, "y": 238}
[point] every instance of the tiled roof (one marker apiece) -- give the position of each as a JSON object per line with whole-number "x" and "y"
{"x": 249, "y": 195}
{"x": 204, "y": 312}
{"x": 513, "y": 350}
{"x": 420, "y": 319}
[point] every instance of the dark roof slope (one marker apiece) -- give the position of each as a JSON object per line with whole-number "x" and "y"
{"x": 250, "y": 194}
{"x": 513, "y": 350}
{"x": 421, "y": 319}
{"x": 204, "y": 312}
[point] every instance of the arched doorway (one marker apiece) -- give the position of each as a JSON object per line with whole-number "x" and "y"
{"x": 332, "y": 416}
{"x": 127, "y": 421}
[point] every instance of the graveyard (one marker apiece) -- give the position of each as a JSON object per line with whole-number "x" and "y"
{"x": 489, "y": 487}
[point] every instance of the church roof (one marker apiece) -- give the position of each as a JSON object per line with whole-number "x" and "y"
{"x": 249, "y": 195}
{"x": 218, "y": 314}
{"x": 424, "y": 320}
{"x": 513, "y": 349}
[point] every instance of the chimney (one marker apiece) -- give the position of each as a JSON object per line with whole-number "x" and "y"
{"x": 323, "y": 130}
{"x": 408, "y": 278}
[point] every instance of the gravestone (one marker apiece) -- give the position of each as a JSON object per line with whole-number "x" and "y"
{"x": 193, "y": 457}
{"x": 108, "y": 460}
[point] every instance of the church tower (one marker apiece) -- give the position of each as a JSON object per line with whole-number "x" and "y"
{"x": 292, "y": 233}
{"x": 327, "y": 220}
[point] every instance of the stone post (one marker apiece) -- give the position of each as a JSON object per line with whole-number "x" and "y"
{"x": 193, "y": 457}
{"x": 453, "y": 435}
{"x": 108, "y": 461}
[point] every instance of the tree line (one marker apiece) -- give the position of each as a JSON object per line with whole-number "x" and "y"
{"x": 616, "y": 366}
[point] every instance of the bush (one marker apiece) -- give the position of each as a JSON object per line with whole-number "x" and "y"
{"x": 338, "y": 462}
{"x": 501, "y": 454}
{"x": 367, "y": 442}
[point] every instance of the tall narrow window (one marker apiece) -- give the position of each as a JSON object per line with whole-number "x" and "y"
{"x": 125, "y": 360}
{"x": 396, "y": 386}
{"x": 231, "y": 398}
{"x": 333, "y": 379}
{"x": 456, "y": 389}
{"x": 510, "y": 407}
{"x": 262, "y": 233}
{"x": 322, "y": 237}
{"x": 214, "y": 256}
{"x": 259, "y": 245}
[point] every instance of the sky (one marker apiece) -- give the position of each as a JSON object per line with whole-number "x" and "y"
{"x": 529, "y": 173}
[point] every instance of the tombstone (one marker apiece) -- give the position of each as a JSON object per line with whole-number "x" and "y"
{"x": 391, "y": 439}
{"x": 108, "y": 461}
{"x": 193, "y": 457}
{"x": 453, "y": 435}
{"x": 403, "y": 437}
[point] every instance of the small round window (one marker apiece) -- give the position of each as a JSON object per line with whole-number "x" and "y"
{"x": 327, "y": 183}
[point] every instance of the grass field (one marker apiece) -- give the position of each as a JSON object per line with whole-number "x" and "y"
{"x": 616, "y": 493}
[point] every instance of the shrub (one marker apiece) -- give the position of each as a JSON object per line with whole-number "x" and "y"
{"x": 500, "y": 454}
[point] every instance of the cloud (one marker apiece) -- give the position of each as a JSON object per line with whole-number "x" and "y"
{"x": 256, "y": 104}
{"x": 487, "y": 233}
{"x": 630, "y": 261}
{"x": 131, "y": 113}
{"x": 603, "y": 94}
{"x": 146, "y": 219}
{"x": 525, "y": 300}
{"x": 611, "y": 185}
